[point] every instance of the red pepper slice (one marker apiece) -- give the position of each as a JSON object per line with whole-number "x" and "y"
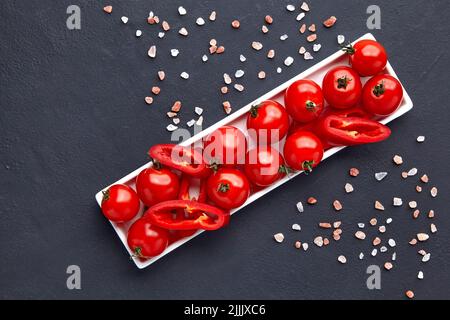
{"x": 184, "y": 159}
{"x": 185, "y": 185}
{"x": 347, "y": 131}
{"x": 206, "y": 217}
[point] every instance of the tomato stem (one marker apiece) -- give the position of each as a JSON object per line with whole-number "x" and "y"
{"x": 254, "y": 110}
{"x": 106, "y": 194}
{"x": 349, "y": 49}
{"x": 307, "y": 166}
{"x": 223, "y": 187}
{"x": 343, "y": 82}
{"x": 379, "y": 89}
{"x": 311, "y": 106}
{"x": 285, "y": 169}
{"x": 214, "y": 166}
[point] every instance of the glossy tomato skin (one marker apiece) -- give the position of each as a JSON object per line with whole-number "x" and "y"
{"x": 367, "y": 57}
{"x": 228, "y": 188}
{"x": 264, "y": 166}
{"x": 303, "y": 151}
{"x": 120, "y": 203}
{"x": 157, "y": 185}
{"x": 304, "y": 100}
{"x": 382, "y": 95}
{"x": 268, "y": 119}
{"x": 145, "y": 240}
{"x": 227, "y": 146}
{"x": 342, "y": 87}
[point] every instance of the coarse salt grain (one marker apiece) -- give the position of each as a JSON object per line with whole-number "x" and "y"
{"x": 397, "y": 202}
{"x": 308, "y": 56}
{"x": 288, "y": 61}
{"x": 152, "y": 52}
{"x": 239, "y": 73}
{"x": 434, "y": 192}
{"x": 300, "y": 207}
{"x": 182, "y": 11}
{"x": 239, "y": 87}
{"x": 174, "y": 52}
{"x": 261, "y": 75}
{"x": 360, "y": 235}
{"x": 304, "y": 7}
{"x": 200, "y": 21}
{"x": 348, "y": 188}
{"x": 138, "y": 33}
{"x": 296, "y": 227}
{"x": 340, "y": 39}
{"x": 279, "y": 237}
{"x": 257, "y": 45}
{"x": 397, "y": 160}
{"x": 290, "y": 7}
{"x": 412, "y": 172}
{"x": 300, "y": 16}
{"x": 318, "y": 241}
{"x": 184, "y": 75}
{"x": 198, "y": 111}
{"x": 380, "y": 175}
{"x": 379, "y": 206}
{"x": 317, "y": 47}
{"x": 342, "y": 259}
{"x": 420, "y": 139}
{"x": 124, "y": 20}
{"x": 171, "y": 127}
{"x": 242, "y": 58}
{"x": 284, "y": 37}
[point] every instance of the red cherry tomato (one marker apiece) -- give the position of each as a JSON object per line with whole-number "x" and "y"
{"x": 264, "y": 166}
{"x": 120, "y": 203}
{"x": 227, "y": 146}
{"x": 342, "y": 87}
{"x": 303, "y": 151}
{"x": 155, "y": 185}
{"x": 304, "y": 100}
{"x": 382, "y": 95}
{"x": 145, "y": 240}
{"x": 228, "y": 188}
{"x": 367, "y": 57}
{"x": 268, "y": 119}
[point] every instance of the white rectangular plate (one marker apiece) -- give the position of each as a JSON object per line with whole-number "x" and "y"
{"x": 238, "y": 119}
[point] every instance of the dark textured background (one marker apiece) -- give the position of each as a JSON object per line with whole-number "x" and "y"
{"x": 73, "y": 120}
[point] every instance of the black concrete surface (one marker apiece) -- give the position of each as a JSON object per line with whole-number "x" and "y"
{"x": 72, "y": 120}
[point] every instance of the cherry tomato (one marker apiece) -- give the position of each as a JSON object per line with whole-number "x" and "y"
{"x": 227, "y": 146}
{"x": 156, "y": 185}
{"x": 367, "y": 57}
{"x": 303, "y": 151}
{"x": 304, "y": 100}
{"x": 264, "y": 166}
{"x": 342, "y": 87}
{"x": 120, "y": 203}
{"x": 145, "y": 240}
{"x": 382, "y": 95}
{"x": 228, "y": 188}
{"x": 268, "y": 119}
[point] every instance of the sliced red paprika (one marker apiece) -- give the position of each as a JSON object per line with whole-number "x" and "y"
{"x": 186, "y": 183}
{"x": 205, "y": 216}
{"x": 347, "y": 131}
{"x": 185, "y": 159}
